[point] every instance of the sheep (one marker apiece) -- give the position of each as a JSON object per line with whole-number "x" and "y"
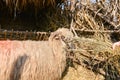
{"x": 116, "y": 45}
{"x": 34, "y": 60}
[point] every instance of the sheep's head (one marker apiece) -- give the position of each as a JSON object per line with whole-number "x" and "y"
{"x": 60, "y": 37}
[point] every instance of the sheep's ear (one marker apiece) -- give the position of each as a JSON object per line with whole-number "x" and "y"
{"x": 54, "y": 35}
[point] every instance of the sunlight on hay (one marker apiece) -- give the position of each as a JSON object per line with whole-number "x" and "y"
{"x": 81, "y": 73}
{"x": 95, "y": 58}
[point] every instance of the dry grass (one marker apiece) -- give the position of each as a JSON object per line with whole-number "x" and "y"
{"x": 93, "y": 60}
{"x": 93, "y": 56}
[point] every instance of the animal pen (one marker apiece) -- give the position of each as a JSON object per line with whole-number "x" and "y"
{"x": 89, "y": 54}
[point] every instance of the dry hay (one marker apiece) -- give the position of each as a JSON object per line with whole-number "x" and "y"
{"x": 93, "y": 60}
{"x": 100, "y": 15}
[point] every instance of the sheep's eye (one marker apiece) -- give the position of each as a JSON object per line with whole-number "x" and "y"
{"x": 62, "y": 37}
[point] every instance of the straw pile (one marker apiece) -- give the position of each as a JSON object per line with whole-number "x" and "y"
{"x": 93, "y": 57}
